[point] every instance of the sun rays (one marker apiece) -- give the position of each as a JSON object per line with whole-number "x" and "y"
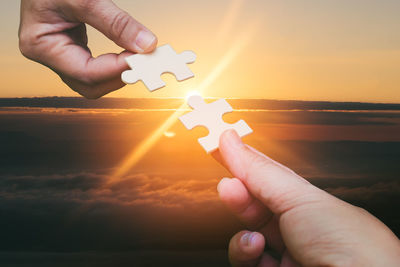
{"x": 138, "y": 152}
{"x": 149, "y": 142}
{"x": 228, "y": 57}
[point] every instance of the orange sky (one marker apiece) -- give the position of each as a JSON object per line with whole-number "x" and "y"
{"x": 310, "y": 50}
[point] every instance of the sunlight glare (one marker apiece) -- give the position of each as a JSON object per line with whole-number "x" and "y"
{"x": 169, "y": 134}
{"x": 137, "y": 154}
{"x": 192, "y": 93}
{"x": 148, "y": 143}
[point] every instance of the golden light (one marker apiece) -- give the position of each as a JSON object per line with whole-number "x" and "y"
{"x": 169, "y": 134}
{"x": 147, "y": 144}
{"x": 138, "y": 153}
{"x": 192, "y": 93}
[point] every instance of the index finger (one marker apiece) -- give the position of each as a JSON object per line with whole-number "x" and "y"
{"x": 275, "y": 185}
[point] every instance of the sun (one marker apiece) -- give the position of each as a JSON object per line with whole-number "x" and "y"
{"x": 144, "y": 146}
{"x": 192, "y": 93}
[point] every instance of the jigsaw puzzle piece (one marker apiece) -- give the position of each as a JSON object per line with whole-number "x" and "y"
{"x": 129, "y": 76}
{"x": 203, "y": 112}
{"x": 188, "y": 56}
{"x": 189, "y": 120}
{"x": 149, "y": 67}
{"x": 210, "y": 116}
{"x": 183, "y": 72}
{"x": 152, "y": 83}
{"x": 211, "y": 142}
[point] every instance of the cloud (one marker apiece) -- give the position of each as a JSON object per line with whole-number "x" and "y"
{"x": 55, "y": 192}
{"x": 80, "y": 181}
{"x": 137, "y": 189}
{"x": 367, "y": 193}
{"x": 87, "y": 211}
{"x": 155, "y": 192}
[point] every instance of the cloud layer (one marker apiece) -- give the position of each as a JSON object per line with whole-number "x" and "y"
{"x": 56, "y": 193}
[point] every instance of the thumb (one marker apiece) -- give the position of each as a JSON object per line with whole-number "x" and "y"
{"x": 118, "y": 25}
{"x": 275, "y": 185}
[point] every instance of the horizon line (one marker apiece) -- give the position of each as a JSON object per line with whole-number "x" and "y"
{"x": 182, "y": 98}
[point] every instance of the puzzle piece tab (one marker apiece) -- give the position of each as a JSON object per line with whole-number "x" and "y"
{"x": 149, "y": 67}
{"x": 210, "y": 116}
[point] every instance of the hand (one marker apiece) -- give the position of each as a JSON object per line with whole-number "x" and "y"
{"x": 53, "y": 33}
{"x": 297, "y": 221}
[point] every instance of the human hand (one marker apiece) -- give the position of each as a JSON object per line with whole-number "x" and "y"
{"x": 302, "y": 224}
{"x": 53, "y": 33}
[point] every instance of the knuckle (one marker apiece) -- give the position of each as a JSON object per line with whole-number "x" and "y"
{"x": 87, "y": 5}
{"x": 24, "y": 49}
{"x": 88, "y": 92}
{"x": 90, "y": 96}
{"x": 255, "y": 162}
{"x": 26, "y": 44}
{"x": 83, "y": 8}
{"x": 363, "y": 211}
{"x": 91, "y": 91}
{"x": 120, "y": 24}
{"x": 84, "y": 87}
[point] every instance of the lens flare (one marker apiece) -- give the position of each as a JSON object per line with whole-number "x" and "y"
{"x": 192, "y": 93}
{"x": 169, "y": 134}
{"x": 137, "y": 154}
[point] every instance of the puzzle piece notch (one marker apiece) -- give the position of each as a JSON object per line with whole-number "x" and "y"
{"x": 210, "y": 116}
{"x": 149, "y": 67}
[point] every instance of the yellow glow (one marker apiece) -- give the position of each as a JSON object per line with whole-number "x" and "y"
{"x": 169, "y": 134}
{"x": 192, "y": 93}
{"x": 146, "y": 145}
{"x": 149, "y": 142}
{"x": 225, "y": 61}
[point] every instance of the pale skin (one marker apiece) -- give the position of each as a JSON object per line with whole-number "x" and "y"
{"x": 302, "y": 224}
{"x": 53, "y": 33}
{"x": 299, "y": 222}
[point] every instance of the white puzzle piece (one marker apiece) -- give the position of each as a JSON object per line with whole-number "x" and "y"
{"x": 149, "y": 67}
{"x": 210, "y": 116}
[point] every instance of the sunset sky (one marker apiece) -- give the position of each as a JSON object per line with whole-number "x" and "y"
{"x": 119, "y": 181}
{"x": 310, "y": 50}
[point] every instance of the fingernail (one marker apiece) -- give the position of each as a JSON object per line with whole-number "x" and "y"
{"x": 248, "y": 239}
{"x": 144, "y": 40}
{"x": 234, "y": 139}
{"x": 252, "y": 238}
{"x": 244, "y": 240}
{"x": 223, "y": 180}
